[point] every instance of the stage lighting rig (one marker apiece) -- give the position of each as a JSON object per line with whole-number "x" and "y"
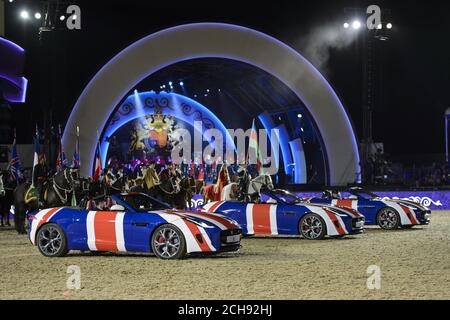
{"x": 372, "y": 25}
{"x": 52, "y": 15}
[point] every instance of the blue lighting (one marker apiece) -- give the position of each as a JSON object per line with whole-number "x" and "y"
{"x": 181, "y": 83}
{"x": 175, "y": 103}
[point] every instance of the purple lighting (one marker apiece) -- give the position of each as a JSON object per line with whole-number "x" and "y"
{"x": 12, "y": 82}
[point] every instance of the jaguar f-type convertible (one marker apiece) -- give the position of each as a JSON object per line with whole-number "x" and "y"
{"x": 282, "y": 213}
{"x": 132, "y": 222}
{"x": 388, "y": 214}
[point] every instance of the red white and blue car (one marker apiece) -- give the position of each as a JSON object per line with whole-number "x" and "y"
{"x": 131, "y": 222}
{"x": 283, "y": 213}
{"x": 388, "y": 214}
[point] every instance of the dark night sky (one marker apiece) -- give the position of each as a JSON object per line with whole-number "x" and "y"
{"x": 415, "y": 61}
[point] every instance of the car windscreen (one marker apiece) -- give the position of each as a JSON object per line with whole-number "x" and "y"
{"x": 284, "y": 196}
{"x": 143, "y": 203}
{"x": 364, "y": 194}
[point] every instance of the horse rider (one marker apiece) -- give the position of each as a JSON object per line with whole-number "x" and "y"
{"x": 243, "y": 182}
{"x": 151, "y": 180}
{"x": 40, "y": 172}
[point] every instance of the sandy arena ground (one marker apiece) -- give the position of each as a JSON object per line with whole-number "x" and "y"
{"x": 415, "y": 264}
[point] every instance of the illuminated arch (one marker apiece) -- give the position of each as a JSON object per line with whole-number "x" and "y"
{"x": 215, "y": 40}
{"x": 177, "y": 105}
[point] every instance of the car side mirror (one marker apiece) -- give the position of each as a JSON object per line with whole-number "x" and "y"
{"x": 117, "y": 207}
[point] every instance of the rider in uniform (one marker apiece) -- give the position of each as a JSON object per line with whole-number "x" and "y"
{"x": 41, "y": 172}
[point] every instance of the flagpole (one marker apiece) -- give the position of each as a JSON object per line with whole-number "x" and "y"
{"x": 78, "y": 146}
{"x": 14, "y": 142}
{"x": 36, "y": 155}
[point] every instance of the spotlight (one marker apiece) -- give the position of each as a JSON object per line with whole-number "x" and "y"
{"x": 62, "y": 18}
{"x": 356, "y": 25}
{"x": 389, "y": 26}
{"x": 218, "y": 90}
{"x": 302, "y": 129}
{"x": 380, "y": 26}
{"x": 346, "y": 25}
{"x": 181, "y": 83}
{"x": 10, "y": 1}
{"x": 299, "y": 115}
{"x": 207, "y": 90}
{"x": 37, "y": 15}
{"x": 74, "y": 17}
{"x": 170, "y": 83}
{"x": 24, "y": 14}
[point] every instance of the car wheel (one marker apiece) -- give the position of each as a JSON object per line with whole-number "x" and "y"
{"x": 168, "y": 242}
{"x": 51, "y": 241}
{"x": 388, "y": 218}
{"x": 312, "y": 227}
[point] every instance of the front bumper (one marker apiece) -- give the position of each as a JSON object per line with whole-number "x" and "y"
{"x": 424, "y": 217}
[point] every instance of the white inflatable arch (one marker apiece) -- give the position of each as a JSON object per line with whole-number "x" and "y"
{"x": 215, "y": 40}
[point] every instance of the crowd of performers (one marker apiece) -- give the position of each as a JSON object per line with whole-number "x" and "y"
{"x": 172, "y": 183}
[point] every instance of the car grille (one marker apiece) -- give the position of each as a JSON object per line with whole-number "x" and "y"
{"x": 358, "y": 223}
{"x": 225, "y": 233}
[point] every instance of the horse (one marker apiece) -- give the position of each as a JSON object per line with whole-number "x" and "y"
{"x": 238, "y": 188}
{"x": 199, "y": 186}
{"x": 185, "y": 195}
{"x": 213, "y": 192}
{"x": 230, "y": 192}
{"x": 60, "y": 187}
{"x": 115, "y": 182}
{"x": 56, "y": 193}
{"x": 163, "y": 186}
{"x": 258, "y": 183}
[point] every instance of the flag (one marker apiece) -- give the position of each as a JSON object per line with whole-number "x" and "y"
{"x": 64, "y": 159}
{"x": 76, "y": 154}
{"x": 98, "y": 164}
{"x": 15, "y": 168}
{"x": 61, "y": 160}
{"x": 36, "y": 155}
{"x": 253, "y": 148}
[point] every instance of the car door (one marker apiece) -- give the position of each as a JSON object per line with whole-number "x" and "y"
{"x": 106, "y": 230}
{"x": 139, "y": 226}
{"x": 261, "y": 219}
{"x": 288, "y": 217}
